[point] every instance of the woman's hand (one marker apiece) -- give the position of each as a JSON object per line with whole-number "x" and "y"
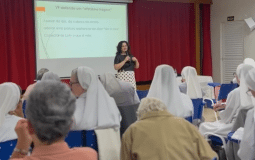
{"x": 24, "y": 138}
{"x": 218, "y": 106}
{"x": 134, "y": 59}
{"x": 127, "y": 59}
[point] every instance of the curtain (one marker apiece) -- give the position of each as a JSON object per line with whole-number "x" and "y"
{"x": 17, "y": 44}
{"x": 161, "y": 33}
{"x": 207, "y": 57}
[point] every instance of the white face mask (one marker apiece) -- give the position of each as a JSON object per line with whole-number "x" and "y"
{"x": 253, "y": 101}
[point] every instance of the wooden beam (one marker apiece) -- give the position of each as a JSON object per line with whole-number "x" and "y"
{"x": 186, "y": 1}
{"x": 197, "y": 32}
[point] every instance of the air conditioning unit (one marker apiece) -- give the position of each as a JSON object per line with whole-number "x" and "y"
{"x": 250, "y": 22}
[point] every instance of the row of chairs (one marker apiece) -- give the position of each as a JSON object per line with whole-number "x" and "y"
{"x": 74, "y": 139}
{"x": 89, "y": 138}
{"x": 221, "y": 93}
{"x": 197, "y": 104}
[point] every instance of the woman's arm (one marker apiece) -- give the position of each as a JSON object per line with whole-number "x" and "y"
{"x": 121, "y": 64}
{"x": 136, "y": 62}
{"x": 24, "y": 139}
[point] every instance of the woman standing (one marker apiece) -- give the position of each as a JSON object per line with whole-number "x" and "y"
{"x": 125, "y": 63}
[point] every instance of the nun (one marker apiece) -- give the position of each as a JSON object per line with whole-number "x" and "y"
{"x": 95, "y": 109}
{"x": 190, "y": 85}
{"x": 247, "y": 145}
{"x": 9, "y": 101}
{"x": 236, "y": 100}
{"x": 164, "y": 87}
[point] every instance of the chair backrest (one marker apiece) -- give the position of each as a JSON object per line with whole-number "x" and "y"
{"x": 142, "y": 94}
{"x": 90, "y": 139}
{"x": 198, "y": 105}
{"x": 75, "y": 139}
{"x": 209, "y": 103}
{"x": 213, "y": 84}
{"x": 128, "y": 114}
{"x": 225, "y": 89}
{"x": 24, "y": 107}
{"x": 190, "y": 119}
{"x": 230, "y": 134}
{"x": 6, "y": 149}
{"x": 217, "y": 140}
{"x": 82, "y": 139}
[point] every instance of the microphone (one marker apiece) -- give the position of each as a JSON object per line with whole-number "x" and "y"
{"x": 129, "y": 59}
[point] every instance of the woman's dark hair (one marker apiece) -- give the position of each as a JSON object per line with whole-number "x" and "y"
{"x": 119, "y": 48}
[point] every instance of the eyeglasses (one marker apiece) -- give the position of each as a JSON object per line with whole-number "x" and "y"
{"x": 71, "y": 83}
{"x": 249, "y": 92}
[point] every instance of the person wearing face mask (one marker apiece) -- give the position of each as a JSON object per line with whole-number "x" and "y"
{"x": 236, "y": 100}
{"x": 125, "y": 63}
{"x": 247, "y": 145}
{"x": 245, "y": 106}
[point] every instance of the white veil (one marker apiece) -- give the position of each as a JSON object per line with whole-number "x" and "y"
{"x": 164, "y": 87}
{"x": 100, "y": 109}
{"x": 193, "y": 87}
{"x": 9, "y": 98}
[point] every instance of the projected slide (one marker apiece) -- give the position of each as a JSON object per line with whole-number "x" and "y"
{"x": 78, "y": 30}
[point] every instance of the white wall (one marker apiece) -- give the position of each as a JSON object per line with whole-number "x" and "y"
{"x": 220, "y": 10}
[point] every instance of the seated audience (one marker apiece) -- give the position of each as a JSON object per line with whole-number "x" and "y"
{"x": 249, "y": 61}
{"x": 232, "y": 147}
{"x": 50, "y": 76}
{"x": 10, "y": 110}
{"x": 190, "y": 85}
{"x": 164, "y": 87}
{"x": 160, "y": 135}
{"x": 123, "y": 92}
{"x": 95, "y": 109}
{"x": 247, "y": 146}
{"x": 236, "y": 100}
{"x": 31, "y": 86}
{"x": 50, "y": 109}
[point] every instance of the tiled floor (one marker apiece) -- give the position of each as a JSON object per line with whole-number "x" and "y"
{"x": 209, "y": 115}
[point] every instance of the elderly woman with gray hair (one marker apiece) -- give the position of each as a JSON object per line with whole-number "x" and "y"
{"x": 40, "y": 74}
{"x": 160, "y": 135}
{"x": 50, "y": 109}
{"x": 50, "y": 76}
